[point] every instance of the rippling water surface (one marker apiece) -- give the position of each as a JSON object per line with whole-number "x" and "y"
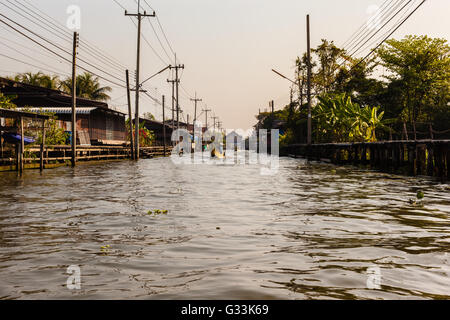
{"x": 311, "y": 232}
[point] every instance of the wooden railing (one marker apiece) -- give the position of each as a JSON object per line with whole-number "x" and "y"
{"x": 420, "y": 157}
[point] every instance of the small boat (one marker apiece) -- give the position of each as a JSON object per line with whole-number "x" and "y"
{"x": 17, "y": 138}
{"x": 217, "y": 154}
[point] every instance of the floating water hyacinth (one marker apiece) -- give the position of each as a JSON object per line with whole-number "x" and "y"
{"x": 157, "y": 212}
{"x": 420, "y": 195}
{"x": 416, "y": 202}
{"x": 105, "y": 248}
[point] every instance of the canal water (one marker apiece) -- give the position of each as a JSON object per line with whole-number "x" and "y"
{"x": 313, "y": 231}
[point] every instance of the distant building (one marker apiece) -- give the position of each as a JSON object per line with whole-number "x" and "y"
{"x": 96, "y": 122}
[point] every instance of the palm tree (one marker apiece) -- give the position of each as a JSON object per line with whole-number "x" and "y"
{"x": 38, "y": 79}
{"x": 88, "y": 87}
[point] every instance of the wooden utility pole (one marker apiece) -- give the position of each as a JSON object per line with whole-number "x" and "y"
{"x": 272, "y": 115}
{"x": 139, "y": 16}
{"x": 177, "y": 82}
{"x": 129, "y": 114}
{"x": 308, "y": 36}
{"x": 173, "y": 101}
{"x": 206, "y": 117}
{"x": 164, "y": 123}
{"x": 195, "y": 108}
{"x": 214, "y": 119}
{"x": 74, "y": 99}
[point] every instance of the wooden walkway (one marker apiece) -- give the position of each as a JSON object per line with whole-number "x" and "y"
{"x": 420, "y": 157}
{"x": 61, "y": 155}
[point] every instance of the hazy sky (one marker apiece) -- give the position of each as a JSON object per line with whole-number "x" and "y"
{"x": 228, "y": 46}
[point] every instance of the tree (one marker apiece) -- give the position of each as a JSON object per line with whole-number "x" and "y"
{"x": 149, "y": 116}
{"x": 38, "y": 79}
{"x": 54, "y": 134}
{"x": 5, "y": 102}
{"x": 419, "y": 76}
{"x": 327, "y": 56}
{"x": 88, "y": 87}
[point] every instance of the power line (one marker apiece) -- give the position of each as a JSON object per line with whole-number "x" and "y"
{"x": 384, "y": 25}
{"x": 30, "y": 64}
{"x": 24, "y": 46}
{"x": 91, "y": 47}
{"x": 65, "y": 38}
{"x": 396, "y": 28}
{"x": 366, "y": 30}
{"x": 30, "y": 57}
{"x": 50, "y": 50}
{"x": 379, "y": 38}
{"x": 151, "y": 47}
{"x": 159, "y": 40}
{"x": 357, "y": 32}
{"x": 164, "y": 34}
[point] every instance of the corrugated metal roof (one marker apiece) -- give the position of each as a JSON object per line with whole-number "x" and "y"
{"x": 81, "y": 110}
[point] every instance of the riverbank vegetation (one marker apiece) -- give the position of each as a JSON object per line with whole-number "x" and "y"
{"x": 402, "y": 91}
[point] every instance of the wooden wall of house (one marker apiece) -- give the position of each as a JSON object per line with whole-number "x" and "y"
{"x": 107, "y": 126}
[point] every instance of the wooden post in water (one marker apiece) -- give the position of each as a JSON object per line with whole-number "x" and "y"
{"x": 22, "y": 145}
{"x": 308, "y": 53}
{"x": 430, "y": 159}
{"x": 405, "y": 132}
{"x": 74, "y": 99}
{"x": 129, "y": 114}
{"x": 164, "y": 123}
{"x": 41, "y": 163}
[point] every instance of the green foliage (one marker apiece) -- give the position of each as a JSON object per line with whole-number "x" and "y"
{"x": 5, "y": 102}
{"x": 287, "y": 138}
{"x": 413, "y": 86}
{"x": 420, "y": 195}
{"x": 146, "y": 137}
{"x": 149, "y": 116}
{"x": 38, "y": 79}
{"x": 338, "y": 119}
{"x": 88, "y": 87}
{"x": 419, "y": 76}
{"x": 54, "y": 135}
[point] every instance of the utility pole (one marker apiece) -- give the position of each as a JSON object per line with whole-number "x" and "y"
{"x": 74, "y": 99}
{"x": 309, "y": 140}
{"x": 206, "y": 116}
{"x": 214, "y": 119}
{"x": 177, "y": 82}
{"x": 164, "y": 122}
{"x": 129, "y": 114}
{"x": 187, "y": 123}
{"x": 139, "y": 16}
{"x": 173, "y": 101}
{"x": 271, "y": 108}
{"x": 195, "y": 109}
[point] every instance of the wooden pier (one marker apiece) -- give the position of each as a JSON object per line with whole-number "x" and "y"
{"x": 54, "y": 156}
{"x": 420, "y": 157}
